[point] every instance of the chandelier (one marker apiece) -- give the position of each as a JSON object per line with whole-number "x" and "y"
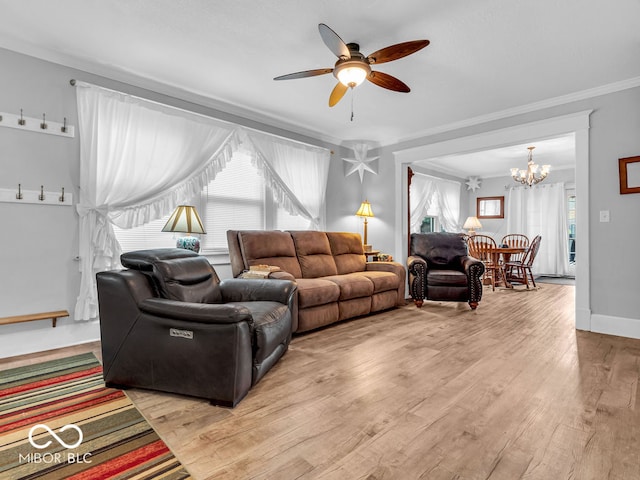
{"x": 530, "y": 176}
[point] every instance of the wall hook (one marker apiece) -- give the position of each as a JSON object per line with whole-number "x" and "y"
{"x": 63, "y": 128}
{"x": 61, "y": 198}
{"x": 21, "y": 119}
{"x": 43, "y": 125}
{"x": 41, "y": 196}
{"x": 19, "y": 194}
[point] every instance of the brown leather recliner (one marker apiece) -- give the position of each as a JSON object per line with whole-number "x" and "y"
{"x": 168, "y": 323}
{"x": 440, "y": 268}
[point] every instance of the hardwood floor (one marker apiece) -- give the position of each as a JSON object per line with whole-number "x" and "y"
{"x": 509, "y": 391}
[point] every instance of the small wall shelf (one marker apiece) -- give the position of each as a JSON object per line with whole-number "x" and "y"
{"x": 33, "y": 196}
{"x": 12, "y": 120}
{"x": 35, "y": 316}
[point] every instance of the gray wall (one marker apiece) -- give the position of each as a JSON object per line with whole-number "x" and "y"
{"x": 498, "y": 186}
{"x": 39, "y": 243}
{"x": 614, "y": 133}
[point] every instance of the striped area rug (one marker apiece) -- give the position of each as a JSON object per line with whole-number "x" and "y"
{"x": 59, "y": 421}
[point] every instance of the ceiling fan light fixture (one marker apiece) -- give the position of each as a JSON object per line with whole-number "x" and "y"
{"x": 352, "y": 73}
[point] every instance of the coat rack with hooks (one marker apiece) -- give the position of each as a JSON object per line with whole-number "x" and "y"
{"x": 19, "y": 195}
{"x": 42, "y": 125}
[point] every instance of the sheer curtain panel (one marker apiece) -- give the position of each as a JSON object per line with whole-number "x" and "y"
{"x": 542, "y": 210}
{"x": 138, "y": 160}
{"x": 434, "y": 196}
{"x": 295, "y": 172}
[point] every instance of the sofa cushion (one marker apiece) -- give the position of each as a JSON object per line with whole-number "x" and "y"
{"x": 382, "y": 281}
{"x": 439, "y": 249}
{"x": 188, "y": 279}
{"x": 352, "y": 285}
{"x": 269, "y": 248}
{"x": 316, "y": 291}
{"x": 314, "y": 254}
{"x": 446, "y": 278}
{"x": 347, "y": 251}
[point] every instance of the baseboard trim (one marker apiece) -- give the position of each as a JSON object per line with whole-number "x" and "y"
{"x": 620, "y": 326}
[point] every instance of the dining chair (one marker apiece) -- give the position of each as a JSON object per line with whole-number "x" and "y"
{"x": 517, "y": 240}
{"x": 483, "y": 248}
{"x": 520, "y": 272}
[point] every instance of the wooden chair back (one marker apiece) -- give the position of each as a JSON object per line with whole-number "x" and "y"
{"x": 517, "y": 240}
{"x": 480, "y": 247}
{"x": 532, "y": 251}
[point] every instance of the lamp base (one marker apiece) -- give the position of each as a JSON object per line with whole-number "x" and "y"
{"x": 189, "y": 243}
{"x": 367, "y": 247}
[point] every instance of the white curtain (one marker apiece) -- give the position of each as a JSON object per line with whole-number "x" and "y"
{"x": 138, "y": 160}
{"x": 541, "y": 210}
{"x": 296, "y": 173}
{"x": 435, "y": 197}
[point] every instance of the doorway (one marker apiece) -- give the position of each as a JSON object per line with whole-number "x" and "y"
{"x": 578, "y": 123}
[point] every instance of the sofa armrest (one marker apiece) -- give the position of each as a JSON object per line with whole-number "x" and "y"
{"x": 254, "y": 289}
{"x": 472, "y": 266}
{"x": 415, "y": 263}
{"x": 196, "y": 312}
{"x": 393, "y": 267}
{"x": 282, "y": 275}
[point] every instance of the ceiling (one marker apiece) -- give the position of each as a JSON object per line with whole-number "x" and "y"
{"x": 487, "y": 58}
{"x": 559, "y": 152}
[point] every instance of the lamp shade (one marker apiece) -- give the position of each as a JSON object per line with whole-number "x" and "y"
{"x": 472, "y": 223}
{"x": 365, "y": 210}
{"x": 184, "y": 219}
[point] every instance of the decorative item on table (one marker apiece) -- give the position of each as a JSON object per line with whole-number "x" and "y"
{"x": 260, "y": 271}
{"x": 186, "y": 219}
{"x": 365, "y": 212}
{"x": 385, "y": 257}
{"x": 472, "y": 223}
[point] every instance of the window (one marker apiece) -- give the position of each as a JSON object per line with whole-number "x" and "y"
{"x": 571, "y": 227}
{"x": 430, "y": 224}
{"x": 237, "y": 199}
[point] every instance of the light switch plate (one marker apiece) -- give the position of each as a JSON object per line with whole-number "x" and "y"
{"x": 604, "y": 216}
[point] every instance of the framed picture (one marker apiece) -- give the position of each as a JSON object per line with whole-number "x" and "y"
{"x": 629, "y": 174}
{"x": 490, "y": 207}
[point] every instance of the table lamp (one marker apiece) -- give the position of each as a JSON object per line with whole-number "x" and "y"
{"x": 365, "y": 212}
{"x": 471, "y": 224}
{"x": 186, "y": 219}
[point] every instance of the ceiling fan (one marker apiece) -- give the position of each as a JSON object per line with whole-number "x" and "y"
{"x": 352, "y": 68}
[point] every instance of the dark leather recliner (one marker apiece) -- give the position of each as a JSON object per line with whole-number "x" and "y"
{"x": 168, "y": 323}
{"x": 440, "y": 268}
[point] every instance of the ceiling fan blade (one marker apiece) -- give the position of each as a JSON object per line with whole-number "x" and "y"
{"x": 385, "y": 80}
{"x": 396, "y": 51}
{"x": 306, "y": 73}
{"x": 333, "y": 41}
{"x": 337, "y": 93}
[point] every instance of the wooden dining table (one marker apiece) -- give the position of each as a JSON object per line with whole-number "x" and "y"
{"x": 504, "y": 252}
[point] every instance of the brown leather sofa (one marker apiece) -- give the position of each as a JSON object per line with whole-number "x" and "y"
{"x": 440, "y": 268}
{"x": 334, "y": 280}
{"x": 168, "y": 323}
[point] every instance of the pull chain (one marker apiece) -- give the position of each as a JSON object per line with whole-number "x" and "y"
{"x": 352, "y": 95}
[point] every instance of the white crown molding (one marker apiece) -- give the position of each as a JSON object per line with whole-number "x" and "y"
{"x": 113, "y": 73}
{"x": 531, "y": 107}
